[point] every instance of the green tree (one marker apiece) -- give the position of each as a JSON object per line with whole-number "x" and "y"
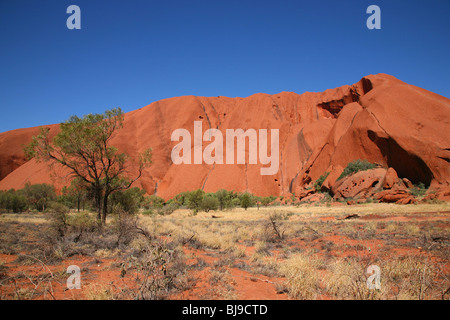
{"x": 83, "y": 145}
{"x": 265, "y": 201}
{"x": 76, "y": 194}
{"x": 14, "y": 201}
{"x": 209, "y": 202}
{"x": 38, "y": 195}
{"x": 222, "y": 197}
{"x": 195, "y": 199}
{"x": 129, "y": 200}
{"x": 153, "y": 201}
{"x": 247, "y": 200}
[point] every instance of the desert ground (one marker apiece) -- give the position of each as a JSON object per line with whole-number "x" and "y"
{"x": 280, "y": 252}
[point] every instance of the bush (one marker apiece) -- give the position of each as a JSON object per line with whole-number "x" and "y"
{"x": 82, "y": 222}
{"x": 13, "y": 201}
{"x": 58, "y": 216}
{"x": 129, "y": 200}
{"x": 355, "y": 166}
{"x": 39, "y": 195}
{"x": 195, "y": 199}
{"x": 418, "y": 190}
{"x": 247, "y": 200}
{"x": 153, "y": 202}
{"x": 75, "y": 195}
{"x": 265, "y": 201}
{"x": 227, "y": 199}
{"x": 319, "y": 182}
{"x": 168, "y": 208}
{"x": 182, "y": 198}
{"x": 209, "y": 202}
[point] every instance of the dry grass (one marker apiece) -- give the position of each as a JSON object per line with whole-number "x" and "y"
{"x": 302, "y": 277}
{"x": 316, "y": 258}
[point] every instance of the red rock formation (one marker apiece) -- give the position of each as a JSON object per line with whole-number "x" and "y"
{"x": 380, "y": 118}
{"x": 360, "y": 185}
{"x": 390, "y": 179}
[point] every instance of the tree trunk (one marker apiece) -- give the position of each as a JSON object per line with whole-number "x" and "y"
{"x": 105, "y": 208}
{"x": 98, "y": 200}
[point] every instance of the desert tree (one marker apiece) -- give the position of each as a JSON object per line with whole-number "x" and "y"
{"x": 83, "y": 145}
{"x": 247, "y": 200}
{"x": 76, "y": 193}
{"x": 39, "y": 195}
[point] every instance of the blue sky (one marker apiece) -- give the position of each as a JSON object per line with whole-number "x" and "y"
{"x": 131, "y": 53}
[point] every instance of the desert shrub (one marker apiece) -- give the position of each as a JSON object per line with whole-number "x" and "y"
{"x": 247, "y": 200}
{"x": 265, "y": 201}
{"x": 195, "y": 199}
{"x": 210, "y": 202}
{"x": 14, "y": 201}
{"x": 76, "y": 195}
{"x": 39, "y": 195}
{"x": 153, "y": 202}
{"x": 124, "y": 226}
{"x": 222, "y": 197}
{"x": 227, "y": 199}
{"x": 418, "y": 190}
{"x": 158, "y": 271}
{"x": 129, "y": 200}
{"x": 319, "y": 182}
{"x": 236, "y": 202}
{"x": 355, "y": 166}
{"x": 168, "y": 208}
{"x": 58, "y": 218}
{"x": 182, "y": 198}
{"x": 274, "y": 230}
{"x": 82, "y": 222}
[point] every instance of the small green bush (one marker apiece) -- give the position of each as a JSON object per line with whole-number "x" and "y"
{"x": 355, "y": 166}
{"x": 195, "y": 199}
{"x": 247, "y": 200}
{"x": 209, "y": 202}
{"x": 266, "y": 201}
{"x": 319, "y": 182}
{"x": 153, "y": 201}
{"x": 418, "y": 190}
{"x": 168, "y": 208}
{"x": 129, "y": 200}
{"x": 14, "y": 201}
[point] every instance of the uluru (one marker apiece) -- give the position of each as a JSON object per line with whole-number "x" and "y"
{"x": 399, "y": 127}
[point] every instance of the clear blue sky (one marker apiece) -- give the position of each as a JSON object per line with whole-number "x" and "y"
{"x": 131, "y": 53}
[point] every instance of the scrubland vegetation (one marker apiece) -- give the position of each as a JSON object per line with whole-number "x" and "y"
{"x": 225, "y": 245}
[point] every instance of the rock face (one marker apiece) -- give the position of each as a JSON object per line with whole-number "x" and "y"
{"x": 380, "y": 119}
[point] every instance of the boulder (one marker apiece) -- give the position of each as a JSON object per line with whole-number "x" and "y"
{"x": 395, "y": 194}
{"x": 315, "y": 197}
{"x": 390, "y": 179}
{"x": 408, "y": 183}
{"x": 407, "y": 200}
{"x": 443, "y": 194}
{"x": 361, "y": 184}
{"x": 305, "y": 193}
